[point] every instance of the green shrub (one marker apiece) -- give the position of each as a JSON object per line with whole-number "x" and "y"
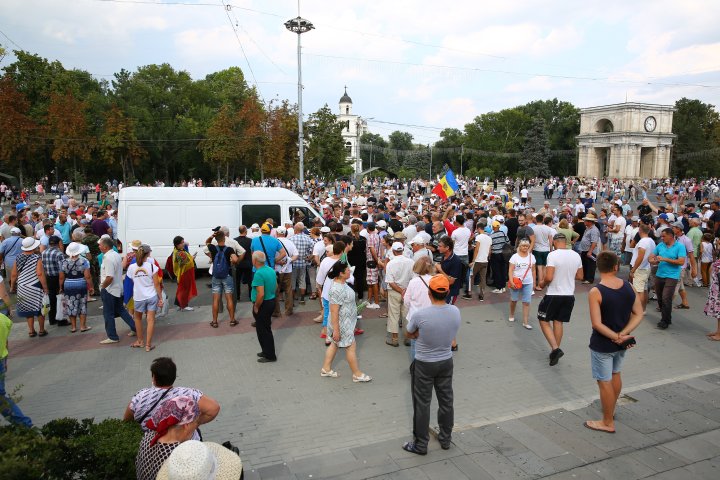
{"x": 68, "y": 449}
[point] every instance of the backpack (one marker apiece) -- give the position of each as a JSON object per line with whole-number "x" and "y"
{"x": 221, "y": 266}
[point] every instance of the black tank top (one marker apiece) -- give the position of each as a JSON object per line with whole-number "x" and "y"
{"x": 615, "y": 310}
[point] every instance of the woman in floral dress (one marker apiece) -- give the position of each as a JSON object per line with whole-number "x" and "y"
{"x": 341, "y": 327}
{"x": 75, "y": 284}
{"x": 712, "y": 306}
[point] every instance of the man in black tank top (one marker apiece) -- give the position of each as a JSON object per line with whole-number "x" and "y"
{"x": 615, "y": 311}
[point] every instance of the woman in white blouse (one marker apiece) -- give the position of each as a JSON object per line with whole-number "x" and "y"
{"x": 416, "y": 295}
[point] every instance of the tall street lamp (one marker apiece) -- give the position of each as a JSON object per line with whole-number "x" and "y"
{"x": 300, "y": 25}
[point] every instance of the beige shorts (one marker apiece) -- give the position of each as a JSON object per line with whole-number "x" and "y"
{"x": 680, "y": 287}
{"x": 640, "y": 280}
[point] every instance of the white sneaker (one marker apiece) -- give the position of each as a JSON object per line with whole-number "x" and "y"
{"x": 373, "y": 306}
{"x": 109, "y": 341}
{"x": 511, "y": 319}
{"x": 498, "y": 290}
{"x": 188, "y": 309}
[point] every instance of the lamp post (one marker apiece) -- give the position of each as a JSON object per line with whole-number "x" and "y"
{"x": 371, "y": 150}
{"x": 300, "y": 25}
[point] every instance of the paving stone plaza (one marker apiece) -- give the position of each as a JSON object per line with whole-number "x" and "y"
{"x": 515, "y": 416}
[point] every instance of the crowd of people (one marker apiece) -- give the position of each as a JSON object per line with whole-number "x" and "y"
{"x": 382, "y": 245}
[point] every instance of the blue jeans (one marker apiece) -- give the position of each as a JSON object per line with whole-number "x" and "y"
{"x": 8, "y": 408}
{"x": 112, "y": 308}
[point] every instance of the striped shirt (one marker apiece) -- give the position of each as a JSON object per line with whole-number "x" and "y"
{"x": 499, "y": 239}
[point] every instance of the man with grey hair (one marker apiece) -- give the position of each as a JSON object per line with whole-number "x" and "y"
{"x": 111, "y": 286}
{"x": 411, "y": 230}
{"x": 304, "y": 245}
{"x": 264, "y": 285}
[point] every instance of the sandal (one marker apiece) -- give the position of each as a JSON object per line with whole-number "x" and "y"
{"x": 682, "y": 307}
{"x": 332, "y": 373}
{"x": 214, "y": 324}
{"x": 137, "y": 345}
{"x": 42, "y": 333}
{"x": 362, "y": 378}
{"x": 32, "y": 334}
{"x": 149, "y": 348}
{"x": 383, "y": 315}
{"x": 233, "y": 323}
{"x": 85, "y": 329}
{"x": 71, "y": 331}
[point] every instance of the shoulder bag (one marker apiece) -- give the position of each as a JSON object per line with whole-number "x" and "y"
{"x": 516, "y": 283}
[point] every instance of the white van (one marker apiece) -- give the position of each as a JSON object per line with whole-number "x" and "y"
{"x": 156, "y": 215}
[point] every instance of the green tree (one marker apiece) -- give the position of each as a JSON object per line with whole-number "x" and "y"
{"x": 223, "y": 144}
{"x": 372, "y": 150}
{"x": 536, "y": 152}
{"x": 502, "y": 132}
{"x": 281, "y": 140}
{"x": 326, "y": 154}
{"x": 562, "y": 120}
{"x": 696, "y": 125}
{"x": 118, "y": 143}
{"x": 163, "y": 101}
{"x": 449, "y": 148}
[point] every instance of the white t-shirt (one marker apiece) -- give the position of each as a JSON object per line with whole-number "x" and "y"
{"x": 143, "y": 282}
{"x": 291, "y": 252}
{"x": 319, "y": 249}
{"x": 543, "y": 237}
{"x": 630, "y": 233}
{"x": 483, "y": 242}
{"x": 523, "y": 193}
{"x": 460, "y": 236}
{"x": 566, "y": 263}
{"x": 521, "y": 266}
{"x": 649, "y": 245}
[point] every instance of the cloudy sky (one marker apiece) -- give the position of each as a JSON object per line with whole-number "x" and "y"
{"x": 423, "y": 65}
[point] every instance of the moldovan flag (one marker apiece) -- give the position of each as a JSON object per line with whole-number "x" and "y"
{"x": 447, "y": 186}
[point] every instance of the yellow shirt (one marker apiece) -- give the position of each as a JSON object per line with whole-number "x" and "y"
{"x": 5, "y": 326}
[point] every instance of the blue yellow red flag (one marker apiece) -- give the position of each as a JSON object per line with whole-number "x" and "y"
{"x": 446, "y": 186}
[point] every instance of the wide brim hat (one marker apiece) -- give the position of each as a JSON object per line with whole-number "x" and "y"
{"x": 29, "y": 244}
{"x": 590, "y": 218}
{"x": 135, "y": 244}
{"x": 228, "y": 465}
{"x": 74, "y": 249}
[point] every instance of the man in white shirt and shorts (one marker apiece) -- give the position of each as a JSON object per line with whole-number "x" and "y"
{"x": 564, "y": 266}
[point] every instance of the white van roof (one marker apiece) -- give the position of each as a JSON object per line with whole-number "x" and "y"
{"x": 209, "y": 193}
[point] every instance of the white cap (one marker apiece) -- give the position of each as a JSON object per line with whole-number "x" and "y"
{"x": 255, "y": 226}
{"x": 396, "y": 246}
{"x": 325, "y": 229}
{"x": 281, "y": 230}
{"x": 382, "y": 224}
{"x": 418, "y": 240}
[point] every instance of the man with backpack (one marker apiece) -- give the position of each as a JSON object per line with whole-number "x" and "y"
{"x": 222, "y": 281}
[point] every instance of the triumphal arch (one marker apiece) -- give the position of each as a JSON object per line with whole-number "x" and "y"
{"x": 627, "y": 140}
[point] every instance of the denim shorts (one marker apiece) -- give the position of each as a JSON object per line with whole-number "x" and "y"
{"x": 525, "y": 291}
{"x": 147, "y": 305}
{"x": 223, "y": 285}
{"x": 603, "y": 365}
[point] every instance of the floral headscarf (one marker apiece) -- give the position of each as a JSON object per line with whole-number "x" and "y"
{"x": 174, "y": 411}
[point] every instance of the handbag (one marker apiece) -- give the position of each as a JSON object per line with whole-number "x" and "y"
{"x": 517, "y": 283}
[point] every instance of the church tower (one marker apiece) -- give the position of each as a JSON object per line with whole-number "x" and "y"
{"x": 353, "y": 128}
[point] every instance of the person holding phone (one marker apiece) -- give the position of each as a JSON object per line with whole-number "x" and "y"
{"x": 615, "y": 311}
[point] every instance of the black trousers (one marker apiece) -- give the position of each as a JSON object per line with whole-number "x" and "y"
{"x": 499, "y": 270}
{"x": 53, "y": 284}
{"x": 588, "y": 265}
{"x": 425, "y": 376}
{"x": 263, "y": 319}
{"x": 665, "y": 290}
